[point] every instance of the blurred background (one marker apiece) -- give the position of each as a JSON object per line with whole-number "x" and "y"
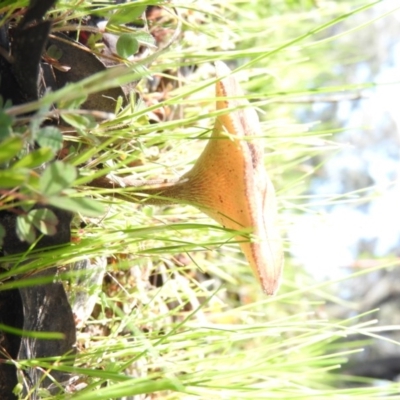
{"x": 353, "y": 219}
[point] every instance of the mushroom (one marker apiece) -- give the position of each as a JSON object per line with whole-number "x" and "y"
{"x": 229, "y": 183}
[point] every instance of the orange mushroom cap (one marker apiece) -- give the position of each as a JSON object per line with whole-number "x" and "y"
{"x": 229, "y": 182}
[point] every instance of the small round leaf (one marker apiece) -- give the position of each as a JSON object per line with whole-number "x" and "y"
{"x": 127, "y": 45}
{"x": 56, "y": 177}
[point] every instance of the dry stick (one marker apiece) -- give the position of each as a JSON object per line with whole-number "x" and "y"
{"x": 228, "y": 183}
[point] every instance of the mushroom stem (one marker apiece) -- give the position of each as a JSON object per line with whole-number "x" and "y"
{"x": 153, "y": 192}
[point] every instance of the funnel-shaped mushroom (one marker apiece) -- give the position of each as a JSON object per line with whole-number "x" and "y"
{"x": 229, "y": 183}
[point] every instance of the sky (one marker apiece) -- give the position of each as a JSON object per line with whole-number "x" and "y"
{"x": 328, "y": 241}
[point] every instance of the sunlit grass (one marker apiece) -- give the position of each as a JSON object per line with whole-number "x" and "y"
{"x": 180, "y": 316}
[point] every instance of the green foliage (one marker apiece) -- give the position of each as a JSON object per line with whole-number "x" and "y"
{"x": 12, "y": 178}
{"x": 9, "y": 148}
{"x": 145, "y": 38}
{"x": 50, "y": 137}
{"x": 80, "y": 122}
{"x": 56, "y": 177}
{"x": 54, "y": 51}
{"x": 127, "y": 13}
{"x": 25, "y": 229}
{"x": 88, "y": 207}
{"x": 207, "y": 331}
{"x": 19, "y": 170}
{"x": 35, "y": 158}
{"x": 127, "y": 45}
{"x": 73, "y": 103}
{"x": 44, "y": 220}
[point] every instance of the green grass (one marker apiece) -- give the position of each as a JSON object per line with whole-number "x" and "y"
{"x": 208, "y": 331}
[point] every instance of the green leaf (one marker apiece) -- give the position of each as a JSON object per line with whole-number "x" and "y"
{"x": 74, "y": 103}
{"x": 56, "y": 177}
{"x": 31, "y": 334}
{"x": 44, "y": 220}
{"x": 79, "y": 121}
{"x": 18, "y": 389}
{"x": 34, "y": 158}
{"x": 38, "y": 118}
{"x": 88, "y": 207}
{"x": 12, "y": 178}
{"x": 145, "y": 38}
{"x": 5, "y": 125}
{"x": 127, "y": 45}
{"x": 118, "y": 104}
{"x": 25, "y": 230}
{"x": 127, "y": 14}
{"x": 54, "y": 51}
{"x": 49, "y": 136}
{"x": 9, "y": 148}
